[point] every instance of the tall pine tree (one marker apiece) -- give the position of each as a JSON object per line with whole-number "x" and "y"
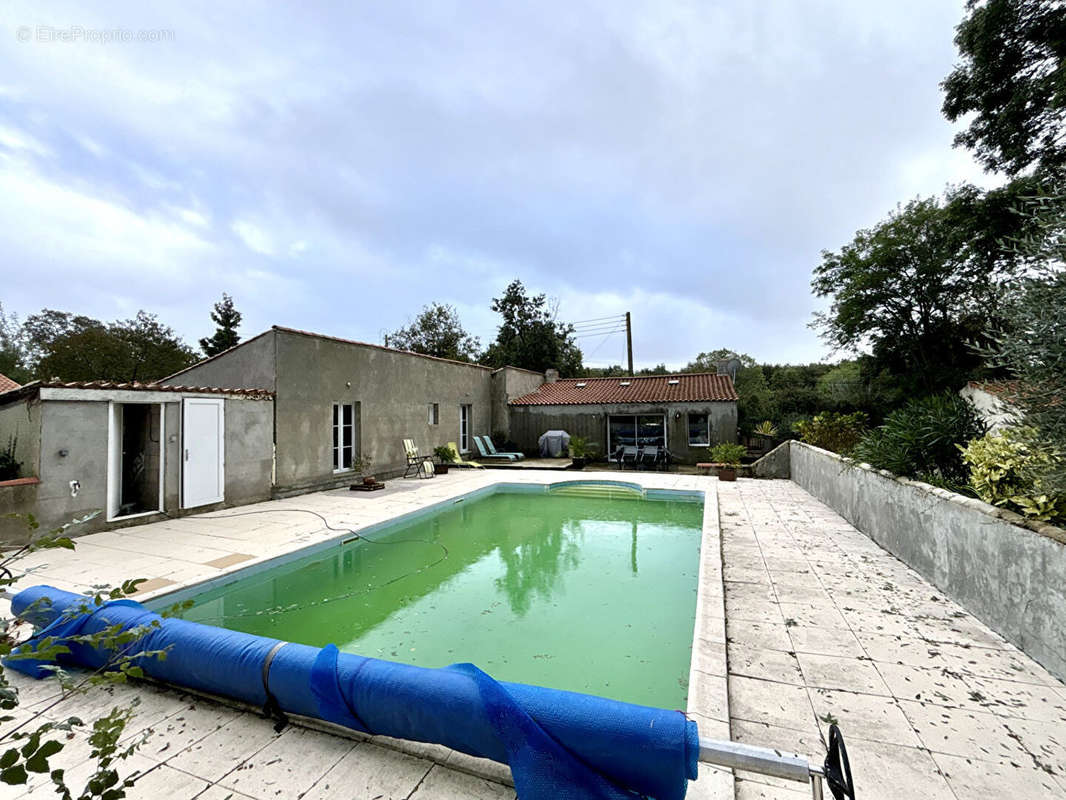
{"x": 228, "y": 319}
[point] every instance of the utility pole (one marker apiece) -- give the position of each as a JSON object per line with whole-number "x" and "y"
{"x": 629, "y": 342}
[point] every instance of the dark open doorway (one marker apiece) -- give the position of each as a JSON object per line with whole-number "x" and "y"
{"x": 140, "y": 458}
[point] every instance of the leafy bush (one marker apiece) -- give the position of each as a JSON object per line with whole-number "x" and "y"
{"x": 1001, "y": 470}
{"x": 28, "y": 744}
{"x": 444, "y": 454}
{"x": 727, "y": 453}
{"x": 919, "y": 440}
{"x": 579, "y": 447}
{"x": 9, "y": 467}
{"x": 832, "y": 430}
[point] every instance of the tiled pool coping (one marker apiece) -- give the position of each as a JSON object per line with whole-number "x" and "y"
{"x": 169, "y": 583}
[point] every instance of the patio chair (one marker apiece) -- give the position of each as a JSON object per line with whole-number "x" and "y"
{"x": 457, "y": 458}
{"x": 494, "y": 452}
{"x": 630, "y": 455}
{"x": 487, "y": 455}
{"x": 415, "y": 461}
{"x": 650, "y": 456}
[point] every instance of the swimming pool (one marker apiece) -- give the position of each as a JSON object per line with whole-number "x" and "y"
{"x": 584, "y": 589}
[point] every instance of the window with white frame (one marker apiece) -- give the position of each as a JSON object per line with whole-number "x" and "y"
{"x": 699, "y": 430}
{"x": 434, "y": 413}
{"x": 343, "y": 436}
{"x": 464, "y": 429}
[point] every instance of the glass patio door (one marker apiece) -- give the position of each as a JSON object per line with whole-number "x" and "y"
{"x": 464, "y": 428}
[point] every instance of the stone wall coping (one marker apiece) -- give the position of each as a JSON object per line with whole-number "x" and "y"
{"x": 19, "y": 482}
{"x": 1037, "y": 526}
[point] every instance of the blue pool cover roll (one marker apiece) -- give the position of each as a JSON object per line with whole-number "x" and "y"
{"x": 558, "y": 744}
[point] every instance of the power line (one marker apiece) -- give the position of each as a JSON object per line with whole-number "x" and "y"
{"x": 603, "y": 329}
{"x": 599, "y": 333}
{"x": 598, "y": 319}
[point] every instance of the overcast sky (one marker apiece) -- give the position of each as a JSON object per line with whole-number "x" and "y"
{"x": 335, "y": 168}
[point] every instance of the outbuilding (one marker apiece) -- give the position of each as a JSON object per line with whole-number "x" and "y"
{"x": 131, "y": 452}
{"x": 684, "y": 413}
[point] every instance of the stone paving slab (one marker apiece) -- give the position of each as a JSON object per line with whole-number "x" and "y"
{"x": 823, "y": 625}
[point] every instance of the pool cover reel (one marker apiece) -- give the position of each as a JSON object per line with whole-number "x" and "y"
{"x": 558, "y": 744}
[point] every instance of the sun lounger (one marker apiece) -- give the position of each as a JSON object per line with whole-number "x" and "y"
{"x": 457, "y": 458}
{"x": 487, "y": 455}
{"x": 494, "y": 452}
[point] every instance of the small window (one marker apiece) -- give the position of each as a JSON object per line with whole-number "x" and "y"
{"x": 434, "y": 413}
{"x": 343, "y": 436}
{"x": 699, "y": 430}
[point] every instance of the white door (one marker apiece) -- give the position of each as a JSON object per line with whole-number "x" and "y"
{"x": 203, "y": 451}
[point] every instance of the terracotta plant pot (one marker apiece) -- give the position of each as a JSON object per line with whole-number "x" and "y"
{"x": 369, "y": 480}
{"x": 727, "y": 473}
{"x": 440, "y": 469}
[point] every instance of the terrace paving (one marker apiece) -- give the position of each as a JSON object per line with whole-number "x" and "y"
{"x": 824, "y": 625}
{"x": 821, "y": 624}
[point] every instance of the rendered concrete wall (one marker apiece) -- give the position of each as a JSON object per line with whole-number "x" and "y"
{"x": 507, "y": 384}
{"x": 249, "y": 450}
{"x": 775, "y": 464}
{"x": 249, "y": 366}
{"x": 80, "y": 429}
{"x": 393, "y": 391}
{"x": 1007, "y": 571}
{"x": 529, "y": 422}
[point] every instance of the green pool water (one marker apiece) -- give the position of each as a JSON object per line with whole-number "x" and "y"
{"x": 586, "y": 594}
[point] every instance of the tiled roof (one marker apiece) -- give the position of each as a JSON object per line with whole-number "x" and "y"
{"x": 1002, "y": 389}
{"x": 255, "y": 394}
{"x": 685, "y": 388}
{"x": 6, "y": 384}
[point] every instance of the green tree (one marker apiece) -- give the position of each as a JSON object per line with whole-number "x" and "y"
{"x": 530, "y": 336}
{"x": 612, "y": 371}
{"x": 1012, "y": 80}
{"x": 13, "y": 354}
{"x": 227, "y": 319}
{"x": 78, "y": 348}
{"x": 658, "y": 369}
{"x": 756, "y": 402}
{"x": 1032, "y": 341}
{"x": 914, "y": 291}
{"x": 437, "y": 331}
{"x": 794, "y": 389}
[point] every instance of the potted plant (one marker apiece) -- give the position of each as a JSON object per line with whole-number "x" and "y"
{"x": 362, "y": 464}
{"x": 579, "y": 452}
{"x": 765, "y": 428}
{"x": 445, "y": 457}
{"x": 726, "y": 458}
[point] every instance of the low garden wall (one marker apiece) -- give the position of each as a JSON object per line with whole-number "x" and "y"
{"x": 1008, "y": 571}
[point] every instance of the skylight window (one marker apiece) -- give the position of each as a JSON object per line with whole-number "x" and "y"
{"x": 581, "y": 384}
{"x": 673, "y": 381}
{"x": 623, "y": 383}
